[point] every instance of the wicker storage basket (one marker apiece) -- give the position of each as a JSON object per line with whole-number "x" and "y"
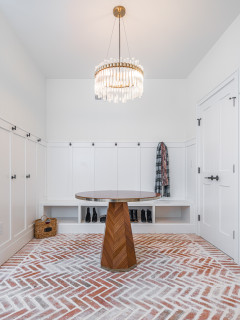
{"x": 45, "y": 227}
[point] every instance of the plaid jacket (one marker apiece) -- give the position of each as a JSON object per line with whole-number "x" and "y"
{"x": 162, "y": 183}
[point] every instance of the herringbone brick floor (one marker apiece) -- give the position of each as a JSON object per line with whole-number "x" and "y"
{"x": 177, "y": 277}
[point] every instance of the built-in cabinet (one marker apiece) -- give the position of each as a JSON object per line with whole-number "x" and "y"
{"x": 5, "y": 185}
{"x": 75, "y": 167}
{"x": 17, "y": 184}
{"x": 20, "y": 190}
{"x": 79, "y": 166}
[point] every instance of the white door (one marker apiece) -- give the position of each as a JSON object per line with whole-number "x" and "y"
{"x": 30, "y": 182}
{"x": 83, "y": 169}
{"x": 18, "y": 184}
{"x": 5, "y": 221}
{"x": 218, "y": 163}
{"x": 128, "y": 167}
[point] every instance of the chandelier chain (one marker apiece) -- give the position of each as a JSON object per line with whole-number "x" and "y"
{"x": 111, "y": 38}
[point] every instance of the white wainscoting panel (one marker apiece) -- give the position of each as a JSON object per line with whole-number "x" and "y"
{"x": 83, "y": 168}
{"x": 128, "y": 164}
{"x": 148, "y": 166}
{"x": 191, "y": 171}
{"x": 41, "y": 171}
{"x": 177, "y": 171}
{"x": 59, "y": 171}
{"x": 105, "y": 168}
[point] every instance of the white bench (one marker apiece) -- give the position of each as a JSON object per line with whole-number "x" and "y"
{"x": 168, "y": 216}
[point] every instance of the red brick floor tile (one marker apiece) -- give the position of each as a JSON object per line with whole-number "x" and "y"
{"x": 177, "y": 277}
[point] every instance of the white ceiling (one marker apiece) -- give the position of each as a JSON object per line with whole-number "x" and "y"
{"x": 67, "y": 38}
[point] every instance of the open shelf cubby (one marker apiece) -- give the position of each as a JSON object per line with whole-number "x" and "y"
{"x": 172, "y": 214}
{"x": 168, "y": 215}
{"x": 64, "y": 214}
{"x": 101, "y": 210}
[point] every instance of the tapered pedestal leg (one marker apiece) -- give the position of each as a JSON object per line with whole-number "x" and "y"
{"x": 118, "y": 253}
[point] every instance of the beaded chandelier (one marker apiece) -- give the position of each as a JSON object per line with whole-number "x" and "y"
{"x": 119, "y": 80}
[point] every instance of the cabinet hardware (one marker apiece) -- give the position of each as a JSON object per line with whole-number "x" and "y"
{"x": 234, "y": 100}
{"x": 14, "y": 177}
{"x": 39, "y": 140}
{"x": 233, "y": 234}
{"x": 93, "y": 144}
{"x": 233, "y": 168}
{"x": 199, "y": 217}
{"x": 70, "y": 144}
{"x": 139, "y": 143}
{"x": 115, "y": 143}
{"x": 213, "y": 178}
{"x": 28, "y": 176}
{"x": 199, "y": 121}
{"x": 14, "y": 128}
{"x": 28, "y": 135}
{"x": 199, "y": 170}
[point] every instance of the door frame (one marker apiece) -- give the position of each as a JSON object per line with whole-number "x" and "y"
{"x": 234, "y": 77}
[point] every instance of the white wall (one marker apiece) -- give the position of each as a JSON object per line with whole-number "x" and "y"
{"x": 73, "y": 114}
{"x": 218, "y": 64}
{"x": 22, "y": 86}
{"x": 22, "y": 102}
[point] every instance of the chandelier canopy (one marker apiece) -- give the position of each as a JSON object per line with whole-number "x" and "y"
{"x": 118, "y": 79}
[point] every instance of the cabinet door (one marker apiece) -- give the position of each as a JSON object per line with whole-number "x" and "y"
{"x": 30, "y": 182}
{"x": 59, "y": 173}
{"x": 18, "y": 184}
{"x": 5, "y": 187}
{"x": 128, "y": 168}
{"x": 106, "y": 168}
{"x": 148, "y": 168}
{"x": 83, "y": 169}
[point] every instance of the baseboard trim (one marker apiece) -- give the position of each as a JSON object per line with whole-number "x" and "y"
{"x": 14, "y": 246}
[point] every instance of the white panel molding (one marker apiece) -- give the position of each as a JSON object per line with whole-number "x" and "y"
{"x": 144, "y": 163}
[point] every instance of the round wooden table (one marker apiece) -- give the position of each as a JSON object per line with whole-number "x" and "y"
{"x": 118, "y": 252}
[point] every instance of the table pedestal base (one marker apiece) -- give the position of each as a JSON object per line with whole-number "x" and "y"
{"x": 118, "y": 253}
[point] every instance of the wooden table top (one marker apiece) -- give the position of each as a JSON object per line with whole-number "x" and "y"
{"x": 117, "y": 196}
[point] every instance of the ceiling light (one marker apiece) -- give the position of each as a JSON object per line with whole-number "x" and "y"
{"x": 119, "y": 79}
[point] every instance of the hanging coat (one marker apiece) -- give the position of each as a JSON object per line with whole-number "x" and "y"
{"x": 162, "y": 184}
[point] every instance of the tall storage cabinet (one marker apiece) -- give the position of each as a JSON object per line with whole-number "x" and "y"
{"x": 30, "y": 182}
{"x": 22, "y": 185}
{"x": 5, "y": 220}
{"x": 18, "y": 184}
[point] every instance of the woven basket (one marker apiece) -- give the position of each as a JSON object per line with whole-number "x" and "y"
{"x": 45, "y": 227}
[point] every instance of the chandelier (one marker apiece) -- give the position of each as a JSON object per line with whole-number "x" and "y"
{"x": 118, "y": 79}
